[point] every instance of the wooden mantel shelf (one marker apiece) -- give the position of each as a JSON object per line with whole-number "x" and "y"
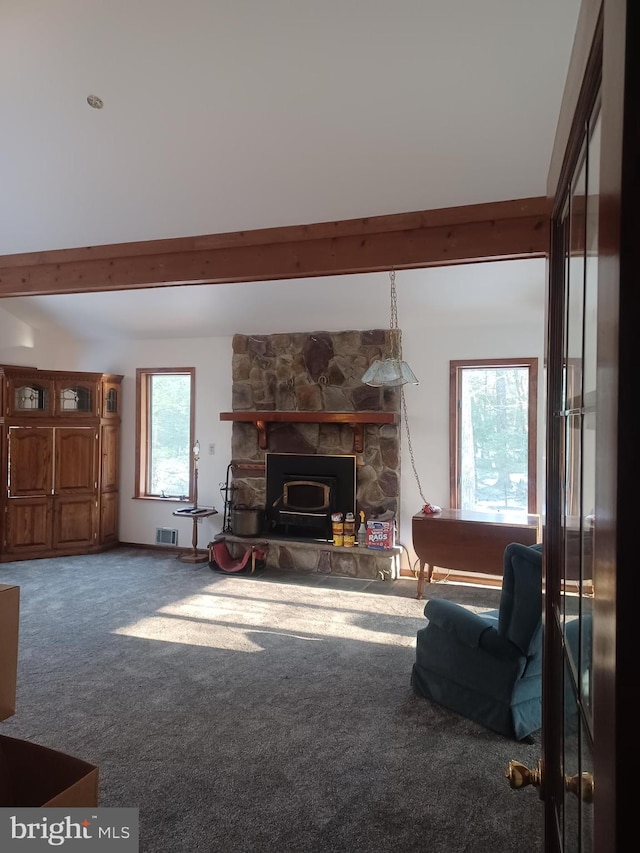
{"x": 356, "y": 420}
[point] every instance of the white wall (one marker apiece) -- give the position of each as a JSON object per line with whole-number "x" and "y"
{"x": 211, "y": 358}
{"x": 429, "y": 354}
{"x": 493, "y": 310}
{"x": 21, "y": 343}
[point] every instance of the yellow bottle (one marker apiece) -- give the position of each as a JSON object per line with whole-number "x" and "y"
{"x": 349, "y": 530}
{"x": 337, "y": 526}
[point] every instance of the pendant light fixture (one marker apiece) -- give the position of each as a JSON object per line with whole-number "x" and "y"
{"x": 392, "y": 371}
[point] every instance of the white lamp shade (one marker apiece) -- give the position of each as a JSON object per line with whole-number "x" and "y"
{"x": 389, "y": 372}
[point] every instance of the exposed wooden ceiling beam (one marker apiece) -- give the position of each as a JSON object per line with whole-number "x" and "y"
{"x": 498, "y": 230}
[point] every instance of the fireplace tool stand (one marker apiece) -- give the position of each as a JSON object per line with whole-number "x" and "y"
{"x": 227, "y": 491}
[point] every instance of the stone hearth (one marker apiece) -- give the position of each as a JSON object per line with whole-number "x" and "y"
{"x": 321, "y": 557}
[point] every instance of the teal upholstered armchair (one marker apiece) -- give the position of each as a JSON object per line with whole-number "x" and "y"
{"x": 488, "y": 666}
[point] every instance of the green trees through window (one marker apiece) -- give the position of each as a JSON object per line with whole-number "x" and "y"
{"x": 170, "y": 435}
{"x": 494, "y": 434}
{"x": 165, "y": 421}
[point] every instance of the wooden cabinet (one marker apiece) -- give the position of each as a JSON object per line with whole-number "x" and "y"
{"x": 59, "y": 457}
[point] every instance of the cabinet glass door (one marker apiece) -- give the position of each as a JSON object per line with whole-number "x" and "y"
{"x": 30, "y": 398}
{"x": 110, "y": 399}
{"x": 75, "y": 398}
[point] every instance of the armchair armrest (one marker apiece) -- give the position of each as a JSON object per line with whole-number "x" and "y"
{"x": 471, "y": 629}
{"x": 455, "y": 619}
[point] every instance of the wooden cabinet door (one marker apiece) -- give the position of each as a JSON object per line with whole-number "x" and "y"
{"x": 30, "y": 461}
{"x": 109, "y": 480}
{"x": 28, "y": 528}
{"x": 75, "y": 460}
{"x": 74, "y": 522}
{"x": 110, "y": 400}
{"x": 109, "y": 458}
{"x": 109, "y": 517}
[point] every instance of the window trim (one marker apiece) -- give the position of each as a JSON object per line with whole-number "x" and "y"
{"x": 142, "y": 435}
{"x": 455, "y": 383}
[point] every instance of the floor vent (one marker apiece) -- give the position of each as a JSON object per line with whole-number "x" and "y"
{"x": 166, "y": 536}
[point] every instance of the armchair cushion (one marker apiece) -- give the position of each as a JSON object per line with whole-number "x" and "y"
{"x": 521, "y": 598}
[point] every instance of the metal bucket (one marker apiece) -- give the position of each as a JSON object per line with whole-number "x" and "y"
{"x": 246, "y": 521}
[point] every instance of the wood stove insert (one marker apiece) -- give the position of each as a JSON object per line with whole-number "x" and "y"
{"x": 302, "y": 491}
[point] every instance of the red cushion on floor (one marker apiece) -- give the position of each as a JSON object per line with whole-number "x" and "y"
{"x": 226, "y": 562}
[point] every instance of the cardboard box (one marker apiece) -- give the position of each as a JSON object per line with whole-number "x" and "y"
{"x": 381, "y": 534}
{"x": 9, "y": 616}
{"x": 30, "y": 774}
{"x": 33, "y": 775}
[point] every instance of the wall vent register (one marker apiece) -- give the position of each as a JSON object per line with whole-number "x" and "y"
{"x": 166, "y": 536}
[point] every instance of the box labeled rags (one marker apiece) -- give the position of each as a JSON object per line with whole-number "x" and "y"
{"x": 380, "y": 534}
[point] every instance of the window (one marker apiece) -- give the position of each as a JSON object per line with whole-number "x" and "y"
{"x": 165, "y": 428}
{"x": 493, "y": 434}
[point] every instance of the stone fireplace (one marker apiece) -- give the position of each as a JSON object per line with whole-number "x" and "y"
{"x": 301, "y": 394}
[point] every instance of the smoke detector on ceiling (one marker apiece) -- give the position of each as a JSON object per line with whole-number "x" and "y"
{"x": 95, "y": 102}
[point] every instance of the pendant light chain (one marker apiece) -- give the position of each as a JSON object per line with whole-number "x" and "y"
{"x": 398, "y": 355}
{"x": 411, "y": 456}
{"x": 396, "y": 344}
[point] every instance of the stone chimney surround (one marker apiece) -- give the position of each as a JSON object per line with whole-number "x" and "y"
{"x": 302, "y": 392}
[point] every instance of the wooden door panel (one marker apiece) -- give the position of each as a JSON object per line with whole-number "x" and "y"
{"x": 109, "y": 459}
{"x": 109, "y": 517}
{"x": 74, "y": 522}
{"x": 30, "y": 461}
{"x": 28, "y": 530}
{"x": 75, "y": 469}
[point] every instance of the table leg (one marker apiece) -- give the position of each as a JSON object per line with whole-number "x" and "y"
{"x": 423, "y": 563}
{"x": 193, "y": 556}
{"x": 194, "y": 537}
{"x": 420, "y": 581}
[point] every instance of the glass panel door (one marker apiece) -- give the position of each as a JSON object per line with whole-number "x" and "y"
{"x": 574, "y": 590}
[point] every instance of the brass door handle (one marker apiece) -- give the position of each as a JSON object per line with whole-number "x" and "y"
{"x": 521, "y": 776}
{"x": 580, "y": 785}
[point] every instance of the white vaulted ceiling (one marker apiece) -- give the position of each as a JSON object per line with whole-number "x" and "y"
{"x": 227, "y": 115}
